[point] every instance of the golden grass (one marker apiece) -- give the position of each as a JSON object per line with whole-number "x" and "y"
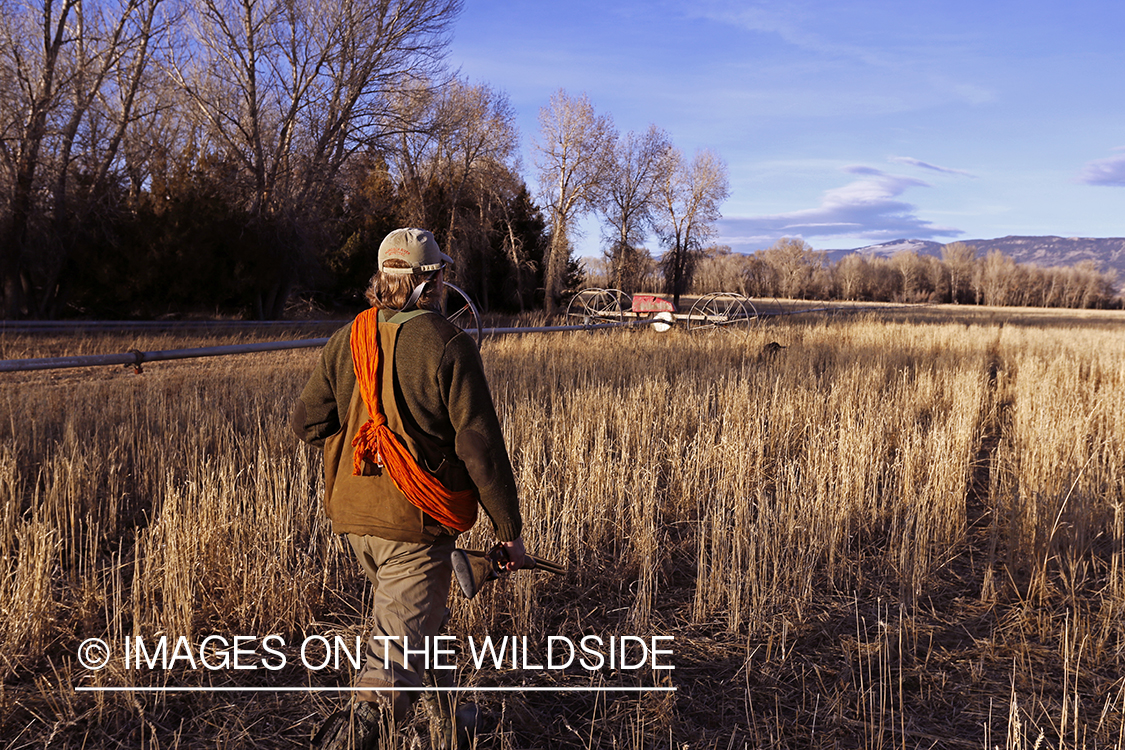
{"x": 885, "y": 535}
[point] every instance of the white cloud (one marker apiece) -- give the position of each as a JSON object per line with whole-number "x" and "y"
{"x": 1109, "y": 171}
{"x": 867, "y": 207}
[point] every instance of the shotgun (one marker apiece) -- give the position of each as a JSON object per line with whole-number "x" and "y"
{"x": 473, "y": 568}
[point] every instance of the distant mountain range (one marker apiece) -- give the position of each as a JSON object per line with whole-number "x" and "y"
{"x": 1107, "y": 252}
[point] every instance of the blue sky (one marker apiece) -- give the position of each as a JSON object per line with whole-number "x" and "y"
{"x": 845, "y": 122}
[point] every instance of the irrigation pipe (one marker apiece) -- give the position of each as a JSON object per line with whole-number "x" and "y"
{"x": 21, "y": 326}
{"x": 137, "y": 358}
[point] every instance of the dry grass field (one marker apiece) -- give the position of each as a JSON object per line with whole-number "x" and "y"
{"x": 892, "y": 533}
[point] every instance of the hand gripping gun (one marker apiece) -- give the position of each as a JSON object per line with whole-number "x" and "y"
{"x": 473, "y": 568}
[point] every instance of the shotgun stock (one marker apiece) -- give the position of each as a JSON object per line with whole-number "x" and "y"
{"x": 473, "y": 568}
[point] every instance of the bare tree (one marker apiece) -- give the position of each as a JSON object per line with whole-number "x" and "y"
{"x": 721, "y": 270}
{"x": 913, "y": 272}
{"x": 798, "y": 268}
{"x": 1092, "y": 287}
{"x": 937, "y": 278}
{"x": 413, "y": 157}
{"x": 574, "y": 154}
{"x": 639, "y": 166}
{"x": 289, "y": 89}
{"x": 464, "y": 136}
{"x": 30, "y": 76}
{"x": 690, "y": 196}
{"x": 456, "y": 167}
{"x": 852, "y": 277}
{"x": 71, "y": 72}
{"x": 959, "y": 258}
{"x": 997, "y": 279}
{"x": 760, "y": 277}
{"x": 481, "y": 151}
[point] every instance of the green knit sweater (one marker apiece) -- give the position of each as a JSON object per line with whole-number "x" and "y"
{"x": 442, "y": 396}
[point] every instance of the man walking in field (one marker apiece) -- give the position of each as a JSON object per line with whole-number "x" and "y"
{"x": 412, "y": 446}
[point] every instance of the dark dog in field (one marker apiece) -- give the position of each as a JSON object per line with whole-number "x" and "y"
{"x": 769, "y": 351}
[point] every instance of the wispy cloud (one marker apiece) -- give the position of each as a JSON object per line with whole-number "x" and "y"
{"x": 792, "y": 22}
{"x": 857, "y": 49}
{"x": 1109, "y": 171}
{"x": 868, "y": 208}
{"x": 910, "y": 161}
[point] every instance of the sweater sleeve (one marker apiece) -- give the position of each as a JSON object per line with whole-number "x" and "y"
{"x": 479, "y": 440}
{"x": 317, "y": 413}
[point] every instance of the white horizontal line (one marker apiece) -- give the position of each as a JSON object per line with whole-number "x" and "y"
{"x": 530, "y": 689}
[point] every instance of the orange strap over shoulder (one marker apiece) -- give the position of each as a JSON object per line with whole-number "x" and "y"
{"x": 375, "y": 443}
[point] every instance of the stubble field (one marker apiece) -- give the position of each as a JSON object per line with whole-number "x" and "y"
{"x": 892, "y": 533}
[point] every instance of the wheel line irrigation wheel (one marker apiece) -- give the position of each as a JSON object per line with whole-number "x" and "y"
{"x": 465, "y": 314}
{"x": 598, "y": 306}
{"x": 722, "y": 310}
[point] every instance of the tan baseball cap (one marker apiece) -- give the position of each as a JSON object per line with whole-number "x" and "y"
{"x": 415, "y": 246}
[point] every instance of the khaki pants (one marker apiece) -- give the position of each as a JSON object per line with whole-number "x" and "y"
{"x": 411, "y": 588}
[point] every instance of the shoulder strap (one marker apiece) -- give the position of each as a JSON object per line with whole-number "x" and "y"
{"x": 402, "y": 317}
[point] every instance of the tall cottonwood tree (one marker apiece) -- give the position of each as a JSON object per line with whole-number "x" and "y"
{"x": 797, "y": 268}
{"x": 995, "y": 279}
{"x": 912, "y": 270}
{"x": 290, "y": 89}
{"x": 852, "y": 277}
{"x": 640, "y": 164}
{"x": 574, "y": 157}
{"x": 463, "y": 136}
{"x": 959, "y": 258}
{"x": 70, "y": 76}
{"x": 690, "y": 196}
{"x": 456, "y": 166}
{"x": 720, "y": 269}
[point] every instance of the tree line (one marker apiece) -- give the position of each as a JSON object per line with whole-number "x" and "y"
{"x": 792, "y": 269}
{"x": 168, "y": 155}
{"x": 158, "y": 156}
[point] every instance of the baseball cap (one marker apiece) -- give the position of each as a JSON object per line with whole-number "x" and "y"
{"x": 415, "y": 246}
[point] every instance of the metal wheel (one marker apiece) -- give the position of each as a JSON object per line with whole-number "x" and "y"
{"x": 598, "y": 306}
{"x": 462, "y": 312}
{"x": 722, "y": 310}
